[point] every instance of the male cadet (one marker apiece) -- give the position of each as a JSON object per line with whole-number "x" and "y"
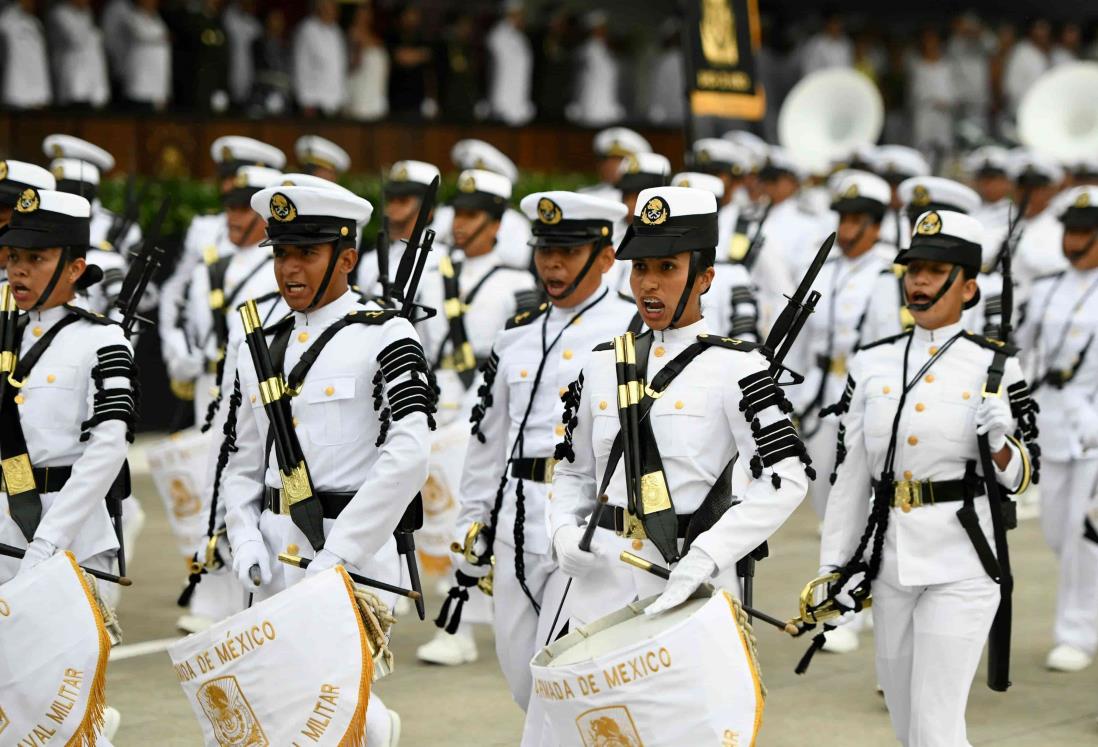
{"x": 611, "y": 145}
{"x": 907, "y": 472}
{"x": 405, "y": 187}
{"x": 15, "y": 178}
{"x": 1037, "y": 247}
{"x": 894, "y": 164}
{"x": 206, "y": 239}
{"x": 730, "y": 304}
{"x": 731, "y": 163}
{"x": 887, "y": 314}
{"x": 217, "y": 288}
{"x": 477, "y": 292}
{"x": 719, "y": 403}
{"x": 514, "y": 229}
{"x": 1057, "y": 339}
{"x": 509, "y": 462}
{"x": 362, "y": 415}
{"x": 757, "y": 149}
{"x": 321, "y": 157}
{"x": 989, "y": 169}
{"x": 65, "y": 429}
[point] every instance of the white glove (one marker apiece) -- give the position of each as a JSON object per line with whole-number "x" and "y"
{"x": 480, "y": 546}
{"x": 38, "y": 551}
{"x": 993, "y": 418}
{"x": 571, "y": 559}
{"x": 252, "y": 552}
{"x": 1088, "y": 432}
{"x": 186, "y": 367}
{"x": 844, "y": 597}
{"x": 324, "y": 560}
{"x": 690, "y": 573}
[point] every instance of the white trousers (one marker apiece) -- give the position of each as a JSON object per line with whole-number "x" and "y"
{"x": 1067, "y": 488}
{"x": 821, "y": 449}
{"x": 515, "y": 621}
{"x": 929, "y": 640}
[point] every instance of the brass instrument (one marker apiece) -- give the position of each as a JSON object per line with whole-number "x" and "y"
{"x": 468, "y": 551}
{"x": 813, "y": 612}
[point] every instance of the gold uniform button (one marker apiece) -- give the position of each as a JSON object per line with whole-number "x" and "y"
{"x": 602, "y": 404}
{"x": 965, "y": 395}
{"x": 291, "y": 549}
{"x": 929, "y": 378}
{"x": 37, "y": 331}
{"x": 253, "y": 399}
{"x": 679, "y": 405}
{"x": 329, "y": 390}
{"x": 562, "y": 390}
{"x": 20, "y": 399}
{"x": 51, "y": 378}
{"x": 638, "y": 544}
{"x": 886, "y": 389}
{"x": 302, "y": 336}
{"x": 660, "y": 352}
{"x": 919, "y": 407}
{"x": 296, "y": 422}
{"x": 559, "y": 430}
{"x": 577, "y": 320}
{"x": 567, "y": 355}
{"x": 912, "y": 440}
{"x": 933, "y": 349}
{"x": 524, "y": 373}
{"x": 907, "y": 474}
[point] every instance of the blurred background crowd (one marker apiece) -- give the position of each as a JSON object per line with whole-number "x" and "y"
{"x": 949, "y": 81}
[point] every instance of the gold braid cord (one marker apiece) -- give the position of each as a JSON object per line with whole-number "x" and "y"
{"x": 749, "y": 637}
{"x": 379, "y": 620}
{"x": 110, "y": 618}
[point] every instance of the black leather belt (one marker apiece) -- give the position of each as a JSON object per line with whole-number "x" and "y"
{"x": 538, "y": 469}
{"x": 618, "y": 520}
{"x": 911, "y": 494}
{"x": 46, "y": 479}
{"x": 333, "y": 503}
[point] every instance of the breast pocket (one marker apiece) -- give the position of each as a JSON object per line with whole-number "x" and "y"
{"x": 604, "y": 421}
{"x": 520, "y": 380}
{"x": 678, "y": 421}
{"x": 54, "y": 387}
{"x": 882, "y": 397}
{"x": 328, "y": 417}
{"x": 954, "y": 418}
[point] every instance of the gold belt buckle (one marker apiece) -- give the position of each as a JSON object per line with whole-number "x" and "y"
{"x": 283, "y": 502}
{"x": 838, "y": 365}
{"x": 909, "y": 494}
{"x": 550, "y": 467}
{"x": 633, "y": 528}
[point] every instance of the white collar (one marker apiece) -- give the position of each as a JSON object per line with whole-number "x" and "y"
{"x": 326, "y": 314}
{"x": 555, "y": 312}
{"x": 938, "y": 335}
{"x": 684, "y": 335}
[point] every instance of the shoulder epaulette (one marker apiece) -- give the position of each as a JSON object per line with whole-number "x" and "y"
{"x": 608, "y": 345}
{"x": 282, "y": 324}
{"x": 997, "y": 346}
{"x": 884, "y": 341}
{"x": 372, "y": 316}
{"x": 91, "y": 316}
{"x": 525, "y": 317}
{"x": 727, "y": 342}
{"x": 528, "y": 299}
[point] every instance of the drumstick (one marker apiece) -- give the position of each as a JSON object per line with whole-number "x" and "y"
{"x": 15, "y": 552}
{"x": 300, "y": 562}
{"x": 655, "y": 570}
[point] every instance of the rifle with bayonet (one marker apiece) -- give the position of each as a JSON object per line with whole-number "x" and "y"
{"x": 121, "y": 226}
{"x": 141, "y": 272}
{"x": 461, "y": 358}
{"x": 750, "y": 255}
{"x": 298, "y": 497}
{"x": 414, "y": 257}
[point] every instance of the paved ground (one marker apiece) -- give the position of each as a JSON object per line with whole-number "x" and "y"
{"x": 835, "y": 703}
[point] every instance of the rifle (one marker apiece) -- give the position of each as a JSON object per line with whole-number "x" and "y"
{"x": 141, "y": 272}
{"x": 382, "y": 249}
{"x": 123, "y": 223}
{"x": 408, "y": 260}
{"x": 998, "y": 645}
{"x": 121, "y": 580}
{"x": 1007, "y": 248}
{"x": 461, "y": 357}
{"x": 9, "y": 314}
{"x": 298, "y": 496}
{"x": 749, "y": 257}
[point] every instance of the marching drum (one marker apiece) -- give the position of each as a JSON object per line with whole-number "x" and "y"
{"x": 688, "y": 676}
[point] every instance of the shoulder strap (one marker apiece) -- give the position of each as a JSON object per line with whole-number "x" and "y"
{"x": 525, "y": 317}
{"x": 730, "y": 343}
{"x": 472, "y": 294}
{"x": 996, "y": 346}
{"x": 231, "y": 299}
{"x": 884, "y": 341}
{"x": 90, "y": 316}
{"x": 308, "y": 358}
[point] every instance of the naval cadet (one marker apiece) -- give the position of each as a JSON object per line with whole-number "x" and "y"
{"x": 15, "y": 178}
{"x": 362, "y": 408}
{"x": 908, "y": 515}
{"x": 610, "y": 146}
{"x": 1057, "y": 338}
{"x": 321, "y": 157}
{"x": 509, "y": 463}
{"x": 711, "y": 399}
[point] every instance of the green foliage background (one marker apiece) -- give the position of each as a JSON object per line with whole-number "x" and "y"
{"x": 193, "y": 197}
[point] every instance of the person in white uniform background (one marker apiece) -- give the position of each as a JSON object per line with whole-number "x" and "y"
{"x": 517, "y": 420}
{"x": 321, "y": 157}
{"x": 511, "y": 68}
{"x": 610, "y": 146}
{"x": 1057, "y": 338}
{"x": 320, "y": 61}
{"x": 148, "y": 66}
{"x": 1037, "y": 180}
{"x": 15, "y": 177}
{"x": 906, "y": 463}
{"x": 988, "y": 168}
{"x": 80, "y": 61}
{"x": 596, "y": 103}
{"x": 895, "y": 164}
{"x": 26, "y": 81}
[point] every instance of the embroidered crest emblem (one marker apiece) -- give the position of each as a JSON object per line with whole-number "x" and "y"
{"x": 3, "y": 170}
{"x": 400, "y": 173}
{"x": 549, "y": 212}
{"x": 282, "y": 209}
{"x": 1082, "y": 201}
{"x": 28, "y": 201}
{"x": 930, "y": 224}
{"x": 920, "y": 195}
{"x": 467, "y": 183}
{"x": 655, "y": 212}
{"x": 851, "y": 192}
{"x": 611, "y": 726}
{"x": 233, "y": 720}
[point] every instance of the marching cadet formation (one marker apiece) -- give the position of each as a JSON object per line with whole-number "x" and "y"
{"x": 616, "y": 369}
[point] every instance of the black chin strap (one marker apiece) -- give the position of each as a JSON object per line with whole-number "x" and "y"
{"x": 861, "y": 232}
{"x": 320, "y": 291}
{"x": 473, "y": 237}
{"x": 937, "y": 296}
{"x": 595, "y": 252}
{"x": 691, "y": 276}
{"x": 62, "y": 260}
{"x": 1090, "y": 245}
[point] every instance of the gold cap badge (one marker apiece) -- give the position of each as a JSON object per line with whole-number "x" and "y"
{"x": 226, "y": 153}
{"x": 632, "y": 164}
{"x": 240, "y": 180}
{"x": 930, "y": 224}
{"x": 400, "y": 173}
{"x": 58, "y": 171}
{"x": 1082, "y": 201}
{"x": 920, "y": 195}
{"x": 655, "y": 212}
{"x": 549, "y": 212}
{"x": 3, "y": 169}
{"x": 282, "y": 209}
{"x": 467, "y": 183}
{"x": 28, "y": 201}
{"x": 851, "y": 192}
{"x": 57, "y": 150}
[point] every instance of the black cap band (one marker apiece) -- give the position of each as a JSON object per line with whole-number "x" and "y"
{"x": 1080, "y": 217}
{"x": 641, "y": 181}
{"x": 492, "y": 204}
{"x": 943, "y": 249}
{"x": 569, "y": 232}
{"x": 311, "y": 229}
{"x": 688, "y": 233}
{"x": 859, "y": 205}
